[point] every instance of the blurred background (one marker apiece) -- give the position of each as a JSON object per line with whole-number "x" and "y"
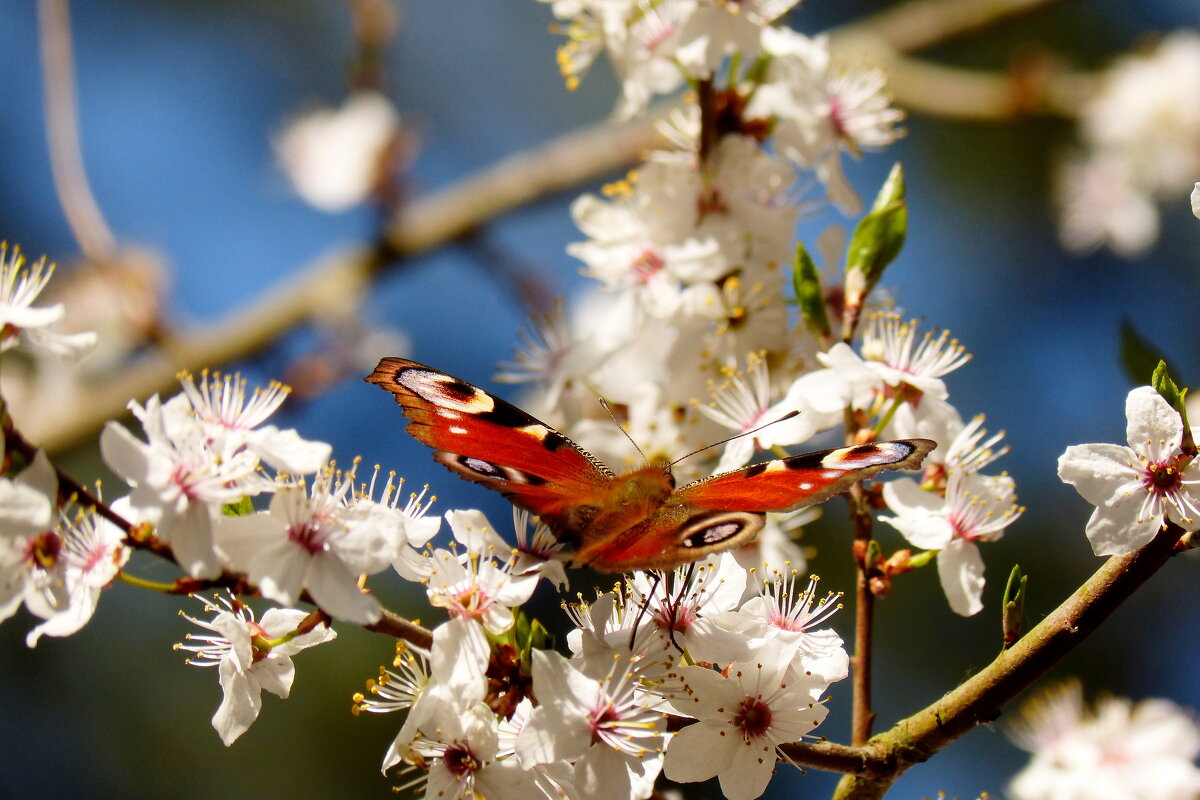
{"x": 178, "y": 104}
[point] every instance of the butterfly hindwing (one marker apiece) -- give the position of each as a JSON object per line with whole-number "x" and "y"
{"x": 491, "y": 442}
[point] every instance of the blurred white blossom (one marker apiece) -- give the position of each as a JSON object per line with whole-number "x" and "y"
{"x": 1118, "y": 750}
{"x": 336, "y": 158}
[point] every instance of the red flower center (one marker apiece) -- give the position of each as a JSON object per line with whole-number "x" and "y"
{"x": 1162, "y": 478}
{"x": 460, "y": 760}
{"x": 753, "y": 717}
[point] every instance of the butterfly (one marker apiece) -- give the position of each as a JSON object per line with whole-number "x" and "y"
{"x": 617, "y": 523}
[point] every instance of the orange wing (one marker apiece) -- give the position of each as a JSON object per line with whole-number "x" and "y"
{"x": 486, "y": 440}
{"x": 728, "y": 510}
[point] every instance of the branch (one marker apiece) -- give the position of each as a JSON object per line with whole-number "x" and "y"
{"x": 875, "y": 766}
{"x": 917, "y": 24}
{"x": 62, "y": 132}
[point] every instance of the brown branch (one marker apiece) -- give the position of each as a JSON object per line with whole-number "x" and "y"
{"x": 862, "y": 714}
{"x": 917, "y": 24}
{"x": 393, "y": 625}
{"x": 872, "y": 768}
{"x": 62, "y": 132}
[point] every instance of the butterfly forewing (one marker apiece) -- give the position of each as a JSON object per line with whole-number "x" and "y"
{"x": 489, "y": 441}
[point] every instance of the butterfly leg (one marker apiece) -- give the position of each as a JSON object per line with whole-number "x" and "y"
{"x": 656, "y": 578}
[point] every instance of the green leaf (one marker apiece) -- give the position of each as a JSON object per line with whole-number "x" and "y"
{"x": 892, "y": 191}
{"x": 1177, "y": 398}
{"x": 242, "y": 508}
{"x": 876, "y": 240}
{"x": 806, "y": 281}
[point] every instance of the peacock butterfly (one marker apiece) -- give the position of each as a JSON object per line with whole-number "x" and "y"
{"x": 617, "y": 523}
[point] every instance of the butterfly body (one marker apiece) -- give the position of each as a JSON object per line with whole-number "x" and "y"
{"x": 617, "y": 523}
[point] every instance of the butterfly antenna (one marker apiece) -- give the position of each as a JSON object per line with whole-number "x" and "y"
{"x": 788, "y": 415}
{"x": 604, "y": 404}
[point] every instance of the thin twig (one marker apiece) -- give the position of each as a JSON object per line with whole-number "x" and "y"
{"x": 62, "y": 133}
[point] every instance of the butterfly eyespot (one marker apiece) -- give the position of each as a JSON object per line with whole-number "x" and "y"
{"x": 485, "y": 468}
{"x": 444, "y": 391}
{"x": 479, "y": 468}
{"x": 713, "y": 534}
{"x": 711, "y": 530}
{"x": 868, "y": 455}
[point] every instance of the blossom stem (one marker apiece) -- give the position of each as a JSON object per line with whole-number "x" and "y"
{"x": 142, "y": 583}
{"x": 897, "y": 401}
{"x": 315, "y": 618}
{"x": 62, "y": 132}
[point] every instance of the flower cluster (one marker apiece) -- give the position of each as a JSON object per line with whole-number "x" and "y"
{"x": 1141, "y": 145}
{"x": 688, "y": 249}
{"x": 1119, "y": 748}
{"x": 750, "y": 672}
{"x": 56, "y": 565}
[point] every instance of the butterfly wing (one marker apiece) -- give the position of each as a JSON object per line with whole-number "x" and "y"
{"x": 727, "y": 510}
{"x": 486, "y": 440}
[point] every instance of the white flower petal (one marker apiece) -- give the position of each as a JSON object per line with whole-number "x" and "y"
{"x": 696, "y": 753}
{"x": 1151, "y": 419}
{"x": 960, "y": 568}
{"x": 1099, "y": 472}
{"x": 1116, "y": 531}
{"x": 275, "y": 674}
{"x": 286, "y": 451}
{"x": 240, "y": 704}
{"x": 335, "y": 590}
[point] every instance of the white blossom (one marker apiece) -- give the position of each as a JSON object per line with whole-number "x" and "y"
{"x": 318, "y": 540}
{"x": 90, "y": 555}
{"x": 1141, "y": 143}
{"x": 1135, "y": 487}
{"x": 179, "y": 478}
{"x": 335, "y": 158}
{"x": 743, "y": 714}
{"x": 476, "y": 585}
{"x": 250, "y": 656}
{"x": 604, "y": 725}
{"x": 20, "y": 319}
{"x": 220, "y": 403}
{"x": 975, "y": 509}
{"x": 30, "y": 571}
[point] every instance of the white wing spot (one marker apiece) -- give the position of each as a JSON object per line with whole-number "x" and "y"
{"x": 447, "y": 392}
{"x": 539, "y": 432}
{"x": 458, "y": 430}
